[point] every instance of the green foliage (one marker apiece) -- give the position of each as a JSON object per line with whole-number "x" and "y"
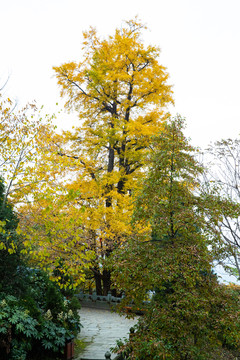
{"x": 11, "y": 269}
{"x": 166, "y": 332}
{"x": 35, "y": 317}
{"x": 65, "y": 280}
{"x": 79, "y": 346}
{"x": 16, "y": 321}
{"x": 44, "y": 292}
{"x": 37, "y": 322}
{"x": 26, "y": 331}
{"x": 190, "y": 314}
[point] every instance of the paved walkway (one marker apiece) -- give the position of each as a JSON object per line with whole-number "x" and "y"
{"x": 101, "y": 329}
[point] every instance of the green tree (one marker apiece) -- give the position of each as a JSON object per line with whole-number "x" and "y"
{"x": 185, "y": 319}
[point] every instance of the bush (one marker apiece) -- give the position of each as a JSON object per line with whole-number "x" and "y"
{"x": 35, "y": 317}
{"x": 36, "y": 323}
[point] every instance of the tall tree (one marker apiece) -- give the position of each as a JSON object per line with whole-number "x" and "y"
{"x": 120, "y": 92}
{"x": 170, "y": 212}
{"x": 172, "y": 259}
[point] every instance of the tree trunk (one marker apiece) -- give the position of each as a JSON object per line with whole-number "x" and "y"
{"x": 106, "y": 279}
{"x": 98, "y": 281}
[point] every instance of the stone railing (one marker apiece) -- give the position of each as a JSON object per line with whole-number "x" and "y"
{"x": 107, "y": 302}
{"x": 94, "y": 297}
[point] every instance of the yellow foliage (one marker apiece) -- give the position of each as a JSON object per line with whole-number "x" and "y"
{"x": 120, "y": 91}
{"x": 19, "y": 131}
{"x": 80, "y": 183}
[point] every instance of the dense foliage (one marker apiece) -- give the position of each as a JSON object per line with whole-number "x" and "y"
{"x": 35, "y": 318}
{"x": 190, "y": 314}
{"x": 120, "y": 91}
{"x": 119, "y": 193}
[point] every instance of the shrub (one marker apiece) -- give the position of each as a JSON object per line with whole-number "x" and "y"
{"x": 35, "y": 317}
{"x": 28, "y": 326}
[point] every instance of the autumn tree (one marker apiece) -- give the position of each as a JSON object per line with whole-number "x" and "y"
{"x": 186, "y": 318}
{"x": 120, "y": 92}
{"x": 31, "y": 186}
{"x": 50, "y": 218}
{"x": 19, "y": 130}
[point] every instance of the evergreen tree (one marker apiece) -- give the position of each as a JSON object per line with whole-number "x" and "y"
{"x": 186, "y": 318}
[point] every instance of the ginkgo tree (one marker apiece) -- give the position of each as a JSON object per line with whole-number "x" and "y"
{"x": 121, "y": 93}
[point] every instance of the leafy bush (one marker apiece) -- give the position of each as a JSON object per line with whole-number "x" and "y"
{"x": 35, "y": 317}
{"x": 28, "y": 326}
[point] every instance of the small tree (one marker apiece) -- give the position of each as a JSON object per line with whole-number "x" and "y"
{"x": 223, "y": 175}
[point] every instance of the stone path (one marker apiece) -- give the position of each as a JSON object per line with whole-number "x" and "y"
{"x": 101, "y": 329}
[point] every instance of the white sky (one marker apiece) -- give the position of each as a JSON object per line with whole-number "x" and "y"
{"x": 199, "y": 40}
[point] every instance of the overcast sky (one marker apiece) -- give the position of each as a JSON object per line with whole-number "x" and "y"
{"x": 199, "y": 41}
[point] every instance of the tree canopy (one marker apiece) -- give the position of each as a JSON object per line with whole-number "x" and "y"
{"x": 172, "y": 260}
{"x": 120, "y": 92}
